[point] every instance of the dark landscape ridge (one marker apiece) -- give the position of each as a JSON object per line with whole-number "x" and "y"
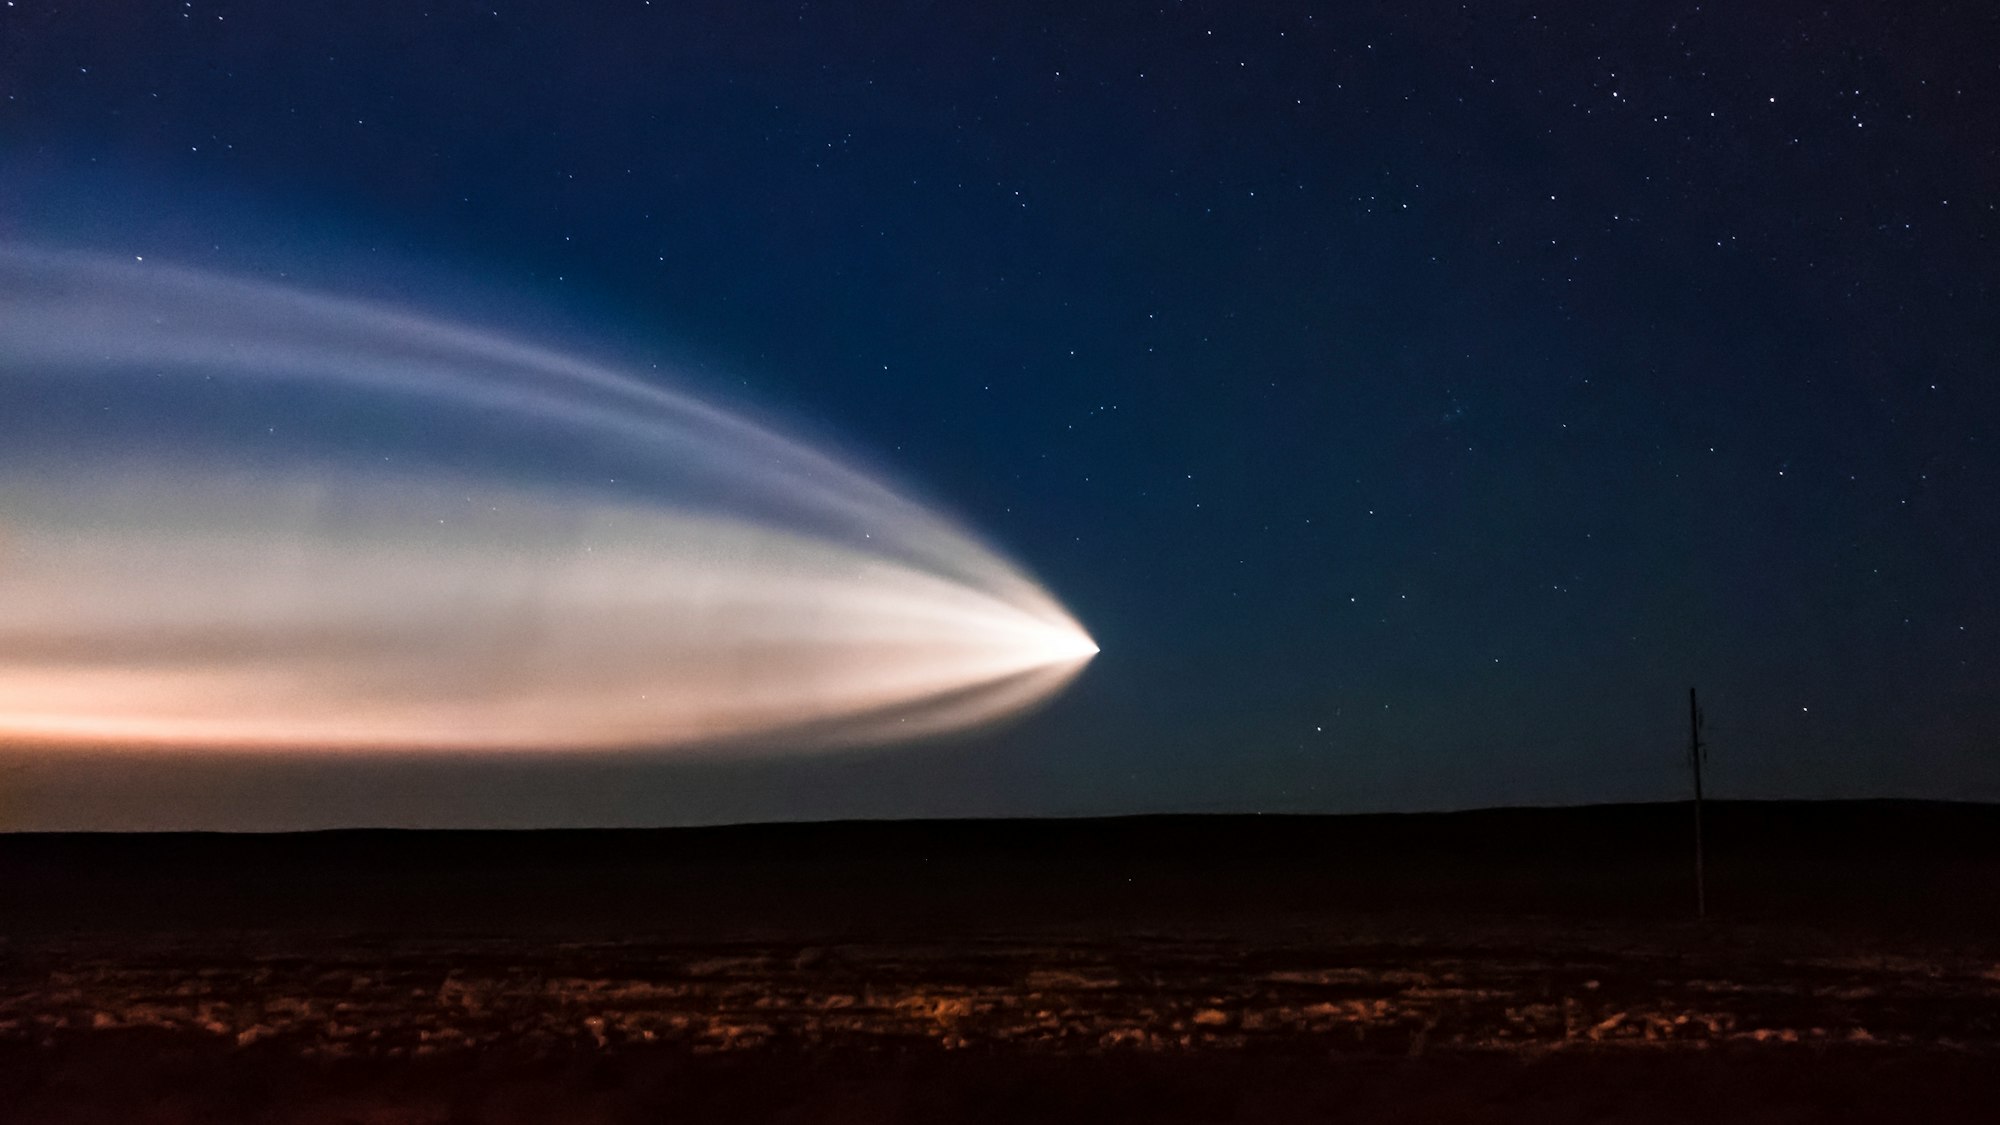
{"x": 1893, "y": 866}
{"x": 1521, "y": 965}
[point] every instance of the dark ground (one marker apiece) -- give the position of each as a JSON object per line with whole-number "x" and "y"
{"x": 1516, "y": 965}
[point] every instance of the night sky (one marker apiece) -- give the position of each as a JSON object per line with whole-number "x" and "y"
{"x": 1412, "y": 400}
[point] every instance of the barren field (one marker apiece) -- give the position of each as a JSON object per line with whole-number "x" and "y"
{"x": 972, "y": 974}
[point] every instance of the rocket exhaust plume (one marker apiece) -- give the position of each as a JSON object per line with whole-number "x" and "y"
{"x": 239, "y": 515}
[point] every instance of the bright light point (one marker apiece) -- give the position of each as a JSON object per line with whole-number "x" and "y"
{"x": 242, "y": 516}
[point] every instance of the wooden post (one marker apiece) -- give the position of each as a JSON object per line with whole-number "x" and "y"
{"x": 1695, "y": 755}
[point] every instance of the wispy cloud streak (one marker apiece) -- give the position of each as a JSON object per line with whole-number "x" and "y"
{"x": 238, "y": 515}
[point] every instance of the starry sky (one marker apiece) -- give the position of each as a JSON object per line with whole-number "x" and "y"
{"x": 1413, "y": 400}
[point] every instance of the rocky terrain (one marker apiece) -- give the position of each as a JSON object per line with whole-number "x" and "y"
{"x": 976, "y": 979}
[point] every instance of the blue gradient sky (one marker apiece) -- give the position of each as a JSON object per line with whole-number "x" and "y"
{"x": 1412, "y": 400}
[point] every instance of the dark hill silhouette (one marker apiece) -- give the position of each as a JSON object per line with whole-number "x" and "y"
{"x": 1903, "y": 867}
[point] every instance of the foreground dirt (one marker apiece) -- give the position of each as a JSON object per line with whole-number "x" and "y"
{"x": 1527, "y": 1023}
{"x": 1143, "y": 994}
{"x": 1511, "y": 966}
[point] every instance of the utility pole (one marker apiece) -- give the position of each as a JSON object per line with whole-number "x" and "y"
{"x": 1696, "y": 752}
